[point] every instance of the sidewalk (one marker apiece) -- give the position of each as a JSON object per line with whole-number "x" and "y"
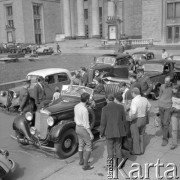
{"x": 153, "y": 152}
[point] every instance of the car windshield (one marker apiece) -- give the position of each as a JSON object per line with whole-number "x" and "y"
{"x": 33, "y": 78}
{"x": 153, "y": 67}
{"x": 176, "y": 58}
{"x": 105, "y": 60}
{"x": 75, "y": 90}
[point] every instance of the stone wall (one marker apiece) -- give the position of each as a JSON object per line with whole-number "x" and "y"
{"x": 152, "y": 19}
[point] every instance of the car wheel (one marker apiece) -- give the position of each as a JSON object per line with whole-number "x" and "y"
{"x": 67, "y": 144}
{"x": 156, "y": 93}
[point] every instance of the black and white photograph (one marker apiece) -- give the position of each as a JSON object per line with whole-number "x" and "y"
{"x": 89, "y": 89}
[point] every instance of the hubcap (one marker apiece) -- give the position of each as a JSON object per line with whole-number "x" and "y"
{"x": 67, "y": 143}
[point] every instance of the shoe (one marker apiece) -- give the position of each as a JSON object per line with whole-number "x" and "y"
{"x": 173, "y": 146}
{"x": 86, "y": 159}
{"x": 164, "y": 143}
{"x": 81, "y": 161}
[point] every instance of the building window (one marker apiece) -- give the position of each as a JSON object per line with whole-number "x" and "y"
{"x": 85, "y": 14}
{"x": 9, "y": 10}
{"x": 37, "y": 25}
{"x": 100, "y": 13}
{"x": 177, "y": 10}
{"x": 170, "y": 10}
{"x": 169, "y": 33}
{"x": 10, "y": 23}
{"x": 36, "y": 10}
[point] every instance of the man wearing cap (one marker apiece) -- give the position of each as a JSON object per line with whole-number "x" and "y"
{"x": 39, "y": 92}
{"x": 145, "y": 82}
{"x": 24, "y": 98}
{"x": 84, "y": 76}
{"x": 138, "y": 116}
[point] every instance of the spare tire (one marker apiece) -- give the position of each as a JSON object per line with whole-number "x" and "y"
{"x": 92, "y": 117}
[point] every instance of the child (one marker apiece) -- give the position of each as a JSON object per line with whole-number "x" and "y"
{"x": 56, "y": 95}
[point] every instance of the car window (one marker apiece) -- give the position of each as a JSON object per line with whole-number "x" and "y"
{"x": 50, "y": 79}
{"x": 124, "y": 61}
{"x": 62, "y": 77}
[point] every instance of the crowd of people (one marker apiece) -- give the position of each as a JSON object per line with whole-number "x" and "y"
{"x": 125, "y": 115}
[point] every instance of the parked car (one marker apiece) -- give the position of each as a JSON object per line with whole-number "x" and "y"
{"x": 157, "y": 70}
{"x": 111, "y": 65}
{"x": 52, "y": 77}
{"x": 44, "y": 50}
{"x": 53, "y": 128}
{"x": 143, "y": 55}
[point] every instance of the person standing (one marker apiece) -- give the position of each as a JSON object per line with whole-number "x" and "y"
{"x": 138, "y": 116}
{"x": 24, "y": 98}
{"x": 165, "y": 105}
{"x": 84, "y": 76}
{"x": 99, "y": 88}
{"x": 164, "y": 54}
{"x": 124, "y": 89}
{"x": 39, "y": 92}
{"x": 175, "y": 118}
{"x": 58, "y": 48}
{"x": 85, "y": 136}
{"x": 145, "y": 82}
{"x": 113, "y": 128}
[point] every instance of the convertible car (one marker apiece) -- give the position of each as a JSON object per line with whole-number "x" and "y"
{"x": 53, "y": 128}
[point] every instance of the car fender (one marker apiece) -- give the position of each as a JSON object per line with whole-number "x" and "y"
{"x": 59, "y": 129}
{"x": 21, "y": 125}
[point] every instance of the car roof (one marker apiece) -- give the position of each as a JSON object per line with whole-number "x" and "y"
{"x": 142, "y": 52}
{"x": 158, "y": 61}
{"x": 117, "y": 55}
{"x": 48, "y": 71}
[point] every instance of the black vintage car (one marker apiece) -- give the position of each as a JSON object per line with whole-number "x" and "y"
{"x": 53, "y": 128}
{"x": 111, "y": 65}
{"x": 157, "y": 70}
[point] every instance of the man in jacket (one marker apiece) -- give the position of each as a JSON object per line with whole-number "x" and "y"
{"x": 145, "y": 82}
{"x": 24, "y": 98}
{"x": 39, "y": 92}
{"x": 84, "y": 77}
{"x": 113, "y": 128}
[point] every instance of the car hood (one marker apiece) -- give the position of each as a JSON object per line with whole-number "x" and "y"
{"x": 67, "y": 103}
{"x": 152, "y": 73}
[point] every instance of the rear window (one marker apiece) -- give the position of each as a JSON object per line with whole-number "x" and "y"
{"x": 62, "y": 77}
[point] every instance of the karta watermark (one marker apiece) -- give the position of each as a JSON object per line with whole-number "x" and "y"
{"x": 138, "y": 172}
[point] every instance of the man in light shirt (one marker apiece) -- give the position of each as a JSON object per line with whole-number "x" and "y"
{"x": 85, "y": 136}
{"x": 124, "y": 90}
{"x": 138, "y": 114}
{"x": 164, "y": 54}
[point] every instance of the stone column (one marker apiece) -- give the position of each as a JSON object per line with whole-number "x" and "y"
{"x": 95, "y": 19}
{"x": 67, "y": 18}
{"x": 111, "y": 8}
{"x": 80, "y": 19}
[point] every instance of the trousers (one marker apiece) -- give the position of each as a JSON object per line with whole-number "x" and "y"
{"x": 175, "y": 120}
{"x": 165, "y": 116}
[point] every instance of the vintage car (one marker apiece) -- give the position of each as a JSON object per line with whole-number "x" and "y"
{"x": 111, "y": 65}
{"x": 52, "y": 77}
{"x": 143, "y": 55}
{"x": 53, "y": 128}
{"x": 157, "y": 70}
{"x": 44, "y": 50}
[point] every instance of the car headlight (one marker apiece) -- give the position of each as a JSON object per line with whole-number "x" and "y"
{"x": 33, "y": 130}
{"x": 2, "y": 93}
{"x": 29, "y": 116}
{"x": 50, "y": 121}
{"x": 15, "y": 95}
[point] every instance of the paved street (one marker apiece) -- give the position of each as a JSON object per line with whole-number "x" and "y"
{"x": 34, "y": 164}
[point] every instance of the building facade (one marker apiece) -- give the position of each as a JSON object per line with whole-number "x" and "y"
{"x": 40, "y": 21}
{"x": 161, "y": 20}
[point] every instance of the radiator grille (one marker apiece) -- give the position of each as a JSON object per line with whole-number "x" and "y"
{"x": 41, "y": 124}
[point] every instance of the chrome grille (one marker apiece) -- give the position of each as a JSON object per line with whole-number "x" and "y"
{"x": 41, "y": 124}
